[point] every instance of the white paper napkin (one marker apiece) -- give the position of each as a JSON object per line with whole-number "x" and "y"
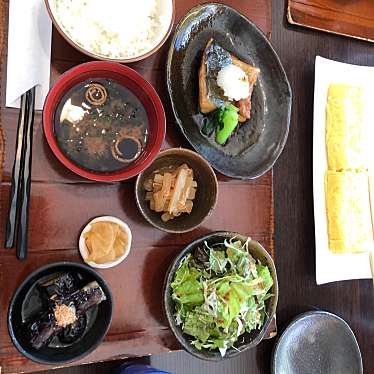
{"x": 29, "y": 51}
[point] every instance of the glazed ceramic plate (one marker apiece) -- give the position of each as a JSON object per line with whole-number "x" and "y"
{"x": 83, "y": 250}
{"x": 258, "y": 143}
{"x": 317, "y": 342}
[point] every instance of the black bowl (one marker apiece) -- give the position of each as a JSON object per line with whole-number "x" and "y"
{"x": 250, "y": 339}
{"x": 258, "y": 142}
{"x": 101, "y": 317}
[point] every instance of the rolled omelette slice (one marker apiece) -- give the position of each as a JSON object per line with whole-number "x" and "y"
{"x": 346, "y": 132}
{"x": 348, "y": 211}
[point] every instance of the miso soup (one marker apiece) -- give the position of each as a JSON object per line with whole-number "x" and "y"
{"x": 101, "y": 126}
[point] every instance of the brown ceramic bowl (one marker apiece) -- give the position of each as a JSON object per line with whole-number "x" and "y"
{"x": 206, "y": 193}
{"x": 165, "y": 34}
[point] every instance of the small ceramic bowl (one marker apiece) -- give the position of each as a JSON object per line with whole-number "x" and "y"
{"x": 131, "y": 80}
{"x": 26, "y": 302}
{"x": 166, "y": 10}
{"x": 83, "y": 247}
{"x": 249, "y": 340}
{"x": 206, "y": 192}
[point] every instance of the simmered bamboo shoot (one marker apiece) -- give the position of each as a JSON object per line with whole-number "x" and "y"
{"x": 172, "y": 191}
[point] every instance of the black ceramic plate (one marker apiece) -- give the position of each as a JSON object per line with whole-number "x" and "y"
{"x": 26, "y": 302}
{"x": 249, "y": 340}
{"x": 317, "y": 342}
{"x": 258, "y": 143}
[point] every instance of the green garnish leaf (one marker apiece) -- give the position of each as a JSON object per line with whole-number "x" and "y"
{"x": 230, "y": 120}
{"x": 223, "y": 120}
{"x": 212, "y": 121}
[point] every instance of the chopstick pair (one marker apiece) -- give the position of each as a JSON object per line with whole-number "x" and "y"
{"x": 18, "y": 216}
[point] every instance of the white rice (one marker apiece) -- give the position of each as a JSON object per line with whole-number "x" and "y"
{"x": 112, "y": 28}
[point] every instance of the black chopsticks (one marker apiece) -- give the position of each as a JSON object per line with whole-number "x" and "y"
{"x": 21, "y": 178}
{"x": 15, "y": 187}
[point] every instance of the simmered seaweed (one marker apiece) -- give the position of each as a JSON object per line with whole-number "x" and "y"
{"x": 58, "y": 290}
{"x": 42, "y": 331}
{"x": 73, "y": 332}
{"x": 58, "y": 285}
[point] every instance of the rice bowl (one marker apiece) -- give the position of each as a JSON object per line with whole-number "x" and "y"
{"x": 113, "y": 30}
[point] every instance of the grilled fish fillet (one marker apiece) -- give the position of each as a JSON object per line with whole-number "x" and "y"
{"x": 244, "y": 105}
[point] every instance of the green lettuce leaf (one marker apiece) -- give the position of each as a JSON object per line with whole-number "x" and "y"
{"x": 217, "y": 301}
{"x": 217, "y": 261}
{"x": 187, "y": 286}
{"x": 264, "y": 274}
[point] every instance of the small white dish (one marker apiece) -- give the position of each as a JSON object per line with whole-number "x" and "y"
{"x": 83, "y": 248}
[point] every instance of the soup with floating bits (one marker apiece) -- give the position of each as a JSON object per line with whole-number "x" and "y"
{"x": 101, "y": 126}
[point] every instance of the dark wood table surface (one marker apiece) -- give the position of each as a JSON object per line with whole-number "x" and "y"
{"x": 293, "y": 195}
{"x": 354, "y": 18}
{"x": 62, "y": 203}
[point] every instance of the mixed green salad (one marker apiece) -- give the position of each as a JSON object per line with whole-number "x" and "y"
{"x": 219, "y": 293}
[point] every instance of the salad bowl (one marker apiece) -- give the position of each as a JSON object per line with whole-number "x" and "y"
{"x": 243, "y": 341}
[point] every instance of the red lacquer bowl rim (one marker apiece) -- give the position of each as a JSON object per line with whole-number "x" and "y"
{"x": 62, "y": 85}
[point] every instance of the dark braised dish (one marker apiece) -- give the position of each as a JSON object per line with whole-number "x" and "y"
{"x": 59, "y": 309}
{"x": 101, "y": 126}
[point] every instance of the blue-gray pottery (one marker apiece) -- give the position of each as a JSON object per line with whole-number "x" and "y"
{"x": 317, "y": 342}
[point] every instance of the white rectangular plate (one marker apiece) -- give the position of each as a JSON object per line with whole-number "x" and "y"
{"x": 332, "y": 267}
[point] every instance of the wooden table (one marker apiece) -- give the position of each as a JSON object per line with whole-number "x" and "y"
{"x": 62, "y": 203}
{"x": 353, "y": 18}
{"x": 293, "y": 194}
{"x": 293, "y": 197}
{"x": 294, "y": 229}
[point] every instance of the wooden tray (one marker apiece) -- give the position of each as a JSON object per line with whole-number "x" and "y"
{"x": 62, "y": 203}
{"x": 350, "y": 18}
